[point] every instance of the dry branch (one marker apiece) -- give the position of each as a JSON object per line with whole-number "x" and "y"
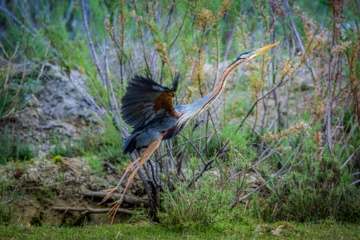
{"x": 92, "y": 210}
{"x": 281, "y": 83}
{"x": 96, "y": 60}
{"x": 127, "y": 199}
{"x": 352, "y": 155}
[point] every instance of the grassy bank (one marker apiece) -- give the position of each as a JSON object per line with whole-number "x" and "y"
{"x": 227, "y": 230}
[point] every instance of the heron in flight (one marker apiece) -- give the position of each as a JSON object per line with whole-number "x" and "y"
{"x": 148, "y": 108}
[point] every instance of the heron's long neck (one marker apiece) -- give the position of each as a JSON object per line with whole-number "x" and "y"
{"x": 219, "y": 88}
{"x": 192, "y": 110}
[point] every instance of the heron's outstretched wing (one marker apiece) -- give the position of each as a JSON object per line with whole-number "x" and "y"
{"x": 144, "y": 99}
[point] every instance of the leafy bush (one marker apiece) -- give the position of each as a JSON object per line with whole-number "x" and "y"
{"x": 184, "y": 208}
{"x": 313, "y": 183}
{"x": 312, "y": 191}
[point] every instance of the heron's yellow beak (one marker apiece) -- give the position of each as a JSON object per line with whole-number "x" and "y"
{"x": 261, "y": 50}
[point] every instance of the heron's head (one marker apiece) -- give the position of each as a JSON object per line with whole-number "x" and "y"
{"x": 249, "y": 55}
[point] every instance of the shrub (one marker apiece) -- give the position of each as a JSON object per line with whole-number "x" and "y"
{"x": 314, "y": 190}
{"x": 184, "y": 208}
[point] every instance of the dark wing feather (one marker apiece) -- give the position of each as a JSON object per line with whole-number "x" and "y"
{"x": 144, "y": 99}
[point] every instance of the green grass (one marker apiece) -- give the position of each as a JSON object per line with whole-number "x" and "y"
{"x": 13, "y": 147}
{"x": 325, "y": 230}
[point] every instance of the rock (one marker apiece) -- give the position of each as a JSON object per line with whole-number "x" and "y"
{"x": 253, "y": 180}
{"x": 277, "y": 231}
{"x": 58, "y": 105}
{"x": 262, "y": 228}
{"x": 282, "y": 229}
{"x": 61, "y": 105}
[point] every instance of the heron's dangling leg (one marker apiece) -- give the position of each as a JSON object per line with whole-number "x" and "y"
{"x": 143, "y": 158}
{"x": 111, "y": 191}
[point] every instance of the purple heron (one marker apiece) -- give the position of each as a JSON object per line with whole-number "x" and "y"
{"x": 148, "y": 108}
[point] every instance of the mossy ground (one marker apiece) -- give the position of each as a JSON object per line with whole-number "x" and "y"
{"x": 224, "y": 230}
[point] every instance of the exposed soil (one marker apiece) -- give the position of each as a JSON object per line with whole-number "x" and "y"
{"x": 46, "y": 185}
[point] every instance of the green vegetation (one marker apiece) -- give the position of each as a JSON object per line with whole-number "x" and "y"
{"x": 108, "y": 144}
{"x": 8, "y": 199}
{"x": 63, "y": 146}
{"x": 57, "y": 159}
{"x": 227, "y": 229}
{"x": 187, "y": 208}
{"x": 313, "y": 191}
{"x": 102, "y": 146}
{"x": 13, "y": 147}
{"x": 16, "y": 90}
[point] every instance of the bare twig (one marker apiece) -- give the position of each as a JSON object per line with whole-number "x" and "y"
{"x": 228, "y": 48}
{"x": 182, "y": 25}
{"x": 89, "y": 210}
{"x": 127, "y": 199}
{"x": 96, "y": 60}
{"x": 281, "y": 83}
{"x": 352, "y": 155}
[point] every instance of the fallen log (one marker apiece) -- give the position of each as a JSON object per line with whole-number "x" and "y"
{"x": 127, "y": 199}
{"x": 92, "y": 210}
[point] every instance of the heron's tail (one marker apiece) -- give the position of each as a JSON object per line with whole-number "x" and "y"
{"x": 129, "y": 143}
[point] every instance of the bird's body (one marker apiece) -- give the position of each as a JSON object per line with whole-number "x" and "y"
{"x": 141, "y": 138}
{"x": 171, "y": 120}
{"x": 148, "y": 108}
{"x": 166, "y": 124}
{"x": 150, "y": 117}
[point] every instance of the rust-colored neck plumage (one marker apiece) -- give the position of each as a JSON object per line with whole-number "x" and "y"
{"x": 221, "y": 85}
{"x": 192, "y": 110}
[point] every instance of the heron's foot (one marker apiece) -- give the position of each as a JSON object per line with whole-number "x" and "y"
{"x": 142, "y": 159}
{"x": 115, "y": 205}
{"x": 114, "y": 208}
{"x": 110, "y": 192}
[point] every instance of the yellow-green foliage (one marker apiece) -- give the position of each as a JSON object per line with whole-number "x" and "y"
{"x": 57, "y": 159}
